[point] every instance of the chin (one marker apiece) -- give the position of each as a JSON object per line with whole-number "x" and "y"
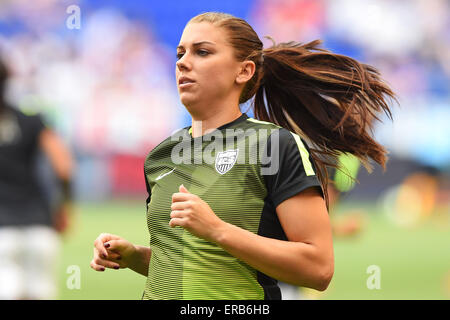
{"x": 186, "y": 100}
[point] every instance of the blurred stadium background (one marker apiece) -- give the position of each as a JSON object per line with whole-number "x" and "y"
{"x": 108, "y": 88}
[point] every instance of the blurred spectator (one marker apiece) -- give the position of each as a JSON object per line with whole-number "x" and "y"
{"x": 288, "y": 20}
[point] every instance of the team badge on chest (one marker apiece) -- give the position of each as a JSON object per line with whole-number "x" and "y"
{"x": 225, "y": 160}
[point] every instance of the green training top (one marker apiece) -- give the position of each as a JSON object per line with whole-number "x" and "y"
{"x": 243, "y": 170}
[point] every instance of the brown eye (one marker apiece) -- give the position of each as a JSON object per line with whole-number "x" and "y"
{"x": 179, "y": 55}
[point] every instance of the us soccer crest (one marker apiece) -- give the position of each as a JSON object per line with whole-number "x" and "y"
{"x": 225, "y": 160}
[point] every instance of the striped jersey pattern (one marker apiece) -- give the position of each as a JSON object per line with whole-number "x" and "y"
{"x": 235, "y": 186}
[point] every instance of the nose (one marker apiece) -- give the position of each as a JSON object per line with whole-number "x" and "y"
{"x": 183, "y": 63}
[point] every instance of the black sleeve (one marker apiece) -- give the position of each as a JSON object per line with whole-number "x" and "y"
{"x": 34, "y": 127}
{"x": 37, "y": 124}
{"x": 291, "y": 166}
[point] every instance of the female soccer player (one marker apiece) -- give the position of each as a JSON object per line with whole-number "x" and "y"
{"x": 227, "y": 220}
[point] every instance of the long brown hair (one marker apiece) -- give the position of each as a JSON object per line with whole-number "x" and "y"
{"x": 329, "y": 99}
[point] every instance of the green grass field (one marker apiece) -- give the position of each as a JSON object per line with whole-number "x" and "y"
{"x": 414, "y": 262}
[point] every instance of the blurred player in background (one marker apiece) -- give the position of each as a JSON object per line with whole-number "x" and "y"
{"x": 344, "y": 180}
{"x": 29, "y": 227}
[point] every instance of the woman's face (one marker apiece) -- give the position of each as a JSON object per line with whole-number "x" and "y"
{"x": 206, "y": 69}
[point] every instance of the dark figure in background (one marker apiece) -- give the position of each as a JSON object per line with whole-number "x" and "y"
{"x": 29, "y": 240}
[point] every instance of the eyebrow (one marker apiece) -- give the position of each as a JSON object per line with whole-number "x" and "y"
{"x": 196, "y": 44}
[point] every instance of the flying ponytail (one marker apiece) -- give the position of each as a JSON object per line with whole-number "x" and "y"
{"x": 329, "y": 99}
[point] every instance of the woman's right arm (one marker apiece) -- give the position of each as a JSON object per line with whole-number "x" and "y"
{"x": 114, "y": 252}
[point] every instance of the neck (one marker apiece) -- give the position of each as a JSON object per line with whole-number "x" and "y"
{"x": 207, "y": 122}
{"x": 205, "y": 118}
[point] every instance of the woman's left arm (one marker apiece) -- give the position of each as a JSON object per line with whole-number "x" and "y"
{"x": 305, "y": 260}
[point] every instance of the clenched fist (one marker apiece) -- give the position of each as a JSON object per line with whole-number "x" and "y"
{"x": 195, "y": 215}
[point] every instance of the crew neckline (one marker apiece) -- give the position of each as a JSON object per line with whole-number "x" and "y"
{"x": 241, "y": 118}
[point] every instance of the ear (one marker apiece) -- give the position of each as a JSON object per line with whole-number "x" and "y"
{"x": 246, "y": 72}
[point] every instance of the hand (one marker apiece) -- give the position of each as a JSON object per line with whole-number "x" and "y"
{"x": 194, "y": 215}
{"x": 111, "y": 251}
{"x": 61, "y": 220}
{"x": 350, "y": 225}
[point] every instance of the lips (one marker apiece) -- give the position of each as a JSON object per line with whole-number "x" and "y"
{"x": 185, "y": 81}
